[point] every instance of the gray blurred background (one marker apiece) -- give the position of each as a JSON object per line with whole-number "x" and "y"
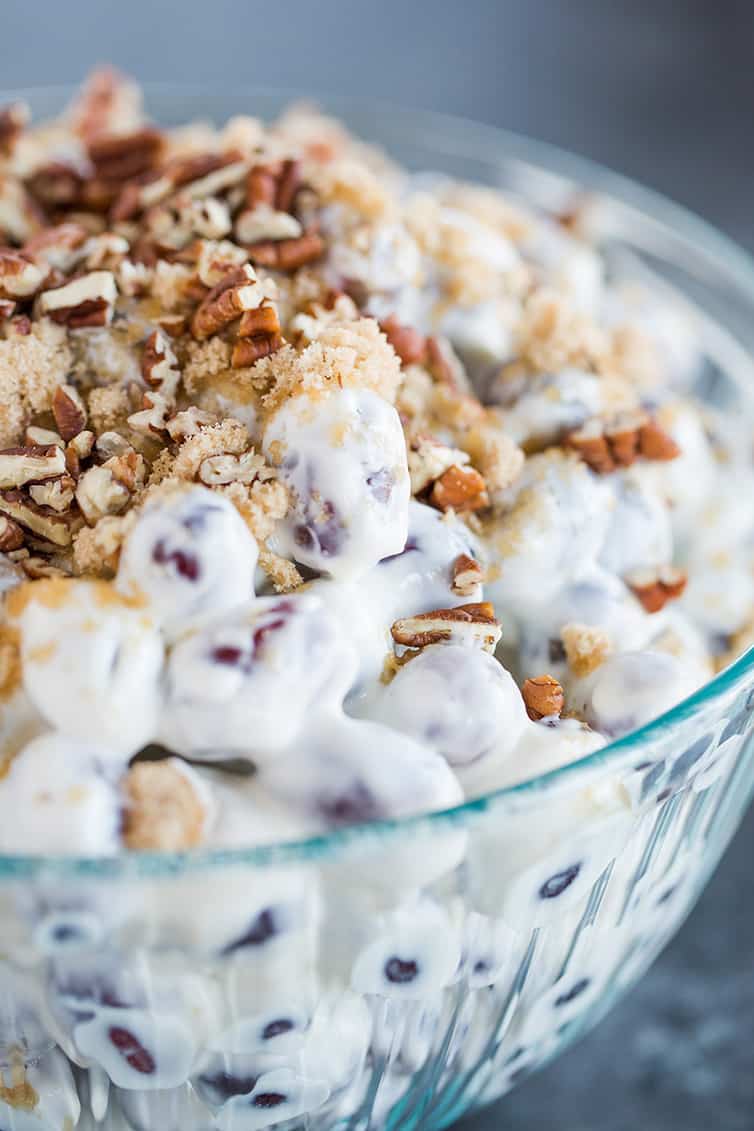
{"x": 660, "y": 89}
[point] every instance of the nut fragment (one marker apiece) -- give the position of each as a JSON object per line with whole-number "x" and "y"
{"x": 475, "y": 623}
{"x": 164, "y": 812}
{"x": 30, "y": 464}
{"x": 188, "y": 423}
{"x": 459, "y": 489}
{"x": 263, "y": 222}
{"x": 98, "y": 493}
{"x": 222, "y": 469}
{"x": 655, "y": 443}
{"x": 543, "y": 697}
{"x": 86, "y": 301}
{"x": 236, "y": 293}
{"x": 654, "y": 588}
{"x": 408, "y": 343}
{"x": 20, "y": 276}
{"x": 69, "y": 411}
{"x": 56, "y": 493}
{"x": 607, "y": 445}
{"x": 159, "y": 365}
{"x": 11, "y": 535}
{"x": 467, "y": 575}
{"x": 120, "y": 156}
{"x": 46, "y": 524}
{"x": 43, "y": 437}
{"x": 288, "y": 255}
{"x": 428, "y": 460}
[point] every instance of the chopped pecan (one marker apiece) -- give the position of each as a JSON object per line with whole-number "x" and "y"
{"x": 121, "y": 156}
{"x": 20, "y": 216}
{"x": 655, "y": 587}
{"x": 111, "y": 444}
{"x": 45, "y": 524}
{"x": 288, "y": 255}
{"x": 59, "y": 245}
{"x": 543, "y": 697}
{"x": 239, "y": 291}
{"x": 7, "y": 309}
{"x": 20, "y": 277}
{"x": 459, "y": 489}
{"x": 188, "y": 423}
{"x": 159, "y": 365}
{"x": 98, "y": 493}
{"x": 173, "y": 324}
{"x": 57, "y": 184}
{"x": 152, "y": 418}
{"x": 475, "y": 622}
{"x": 11, "y": 535}
{"x": 86, "y": 301}
{"x": 607, "y": 445}
{"x": 428, "y": 460}
{"x": 467, "y": 575}
{"x": 262, "y": 321}
{"x": 443, "y": 364}
{"x": 108, "y": 101}
{"x": 57, "y": 494}
{"x": 82, "y": 444}
{"x": 129, "y": 468}
{"x": 221, "y": 469}
{"x": 209, "y": 217}
{"x": 42, "y": 437}
{"x": 69, "y": 411}
{"x": 30, "y": 465}
{"x": 408, "y": 343}
{"x": 655, "y": 443}
{"x": 261, "y": 223}
{"x": 13, "y": 120}
{"x": 38, "y": 568}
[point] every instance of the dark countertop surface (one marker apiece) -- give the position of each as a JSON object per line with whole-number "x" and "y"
{"x": 662, "y": 91}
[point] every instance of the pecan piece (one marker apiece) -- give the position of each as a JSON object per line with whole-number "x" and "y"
{"x": 288, "y": 255}
{"x": 13, "y": 120}
{"x": 408, "y": 343}
{"x": 428, "y": 460}
{"x": 475, "y": 622}
{"x": 159, "y": 365}
{"x": 236, "y": 293}
{"x": 246, "y": 351}
{"x": 467, "y": 575}
{"x": 654, "y": 588}
{"x": 59, "y": 245}
{"x": 57, "y": 494}
{"x": 591, "y": 444}
{"x": 98, "y": 493}
{"x": 30, "y": 465}
{"x": 11, "y": 535}
{"x": 42, "y": 437}
{"x": 121, "y": 156}
{"x": 20, "y": 277}
{"x": 543, "y": 697}
{"x": 86, "y": 301}
{"x": 262, "y": 223}
{"x": 655, "y": 443}
{"x": 69, "y": 411}
{"x": 459, "y": 489}
{"x": 45, "y": 524}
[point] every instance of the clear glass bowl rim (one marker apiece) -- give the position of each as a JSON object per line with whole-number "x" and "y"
{"x": 479, "y": 141}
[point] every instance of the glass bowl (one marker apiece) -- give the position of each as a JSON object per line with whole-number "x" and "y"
{"x": 398, "y": 974}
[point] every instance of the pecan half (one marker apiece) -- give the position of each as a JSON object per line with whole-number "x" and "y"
{"x": 543, "y": 697}
{"x": 459, "y": 489}
{"x": 654, "y": 588}
{"x": 20, "y": 277}
{"x": 476, "y": 623}
{"x": 467, "y": 575}
{"x": 409, "y": 344}
{"x": 29, "y": 465}
{"x": 86, "y": 301}
{"x": 69, "y": 411}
